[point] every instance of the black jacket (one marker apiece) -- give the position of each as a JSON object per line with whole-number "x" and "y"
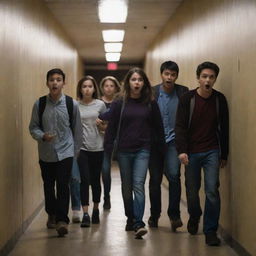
{"x": 183, "y": 120}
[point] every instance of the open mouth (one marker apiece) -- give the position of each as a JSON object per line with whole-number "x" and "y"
{"x": 207, "y": 86}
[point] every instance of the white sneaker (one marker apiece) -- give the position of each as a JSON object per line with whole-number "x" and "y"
{"x": 76, "y": 217}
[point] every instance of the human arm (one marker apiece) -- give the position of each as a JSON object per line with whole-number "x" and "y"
{"x": 34, "y": 128}
{"x": 182, "y": 126}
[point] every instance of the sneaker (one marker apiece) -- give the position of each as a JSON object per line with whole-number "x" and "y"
{"x": 107, "y": 204}
{"x": 140, "y": 232}
{"x": 212, "y": 239}
{"x": 153, "y": 222}
{"x": 86, "y": 221}
{"x": 129, "y": 225}
{"x": 51, "y": 222}
{"x": 192, "y": 226}
{"x": 76, "y": 217}
{"x": 95, "y": 216}
{"x": 62, "y": 228}
{"x": 177, "y": 223}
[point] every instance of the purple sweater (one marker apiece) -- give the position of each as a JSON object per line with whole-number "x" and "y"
{"x": 139, "y": 124}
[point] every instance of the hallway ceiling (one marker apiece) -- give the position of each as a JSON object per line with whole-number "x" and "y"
{"x": 145, "y": 20}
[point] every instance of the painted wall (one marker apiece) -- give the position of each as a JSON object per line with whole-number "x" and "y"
{"x": 31, "y": 43}
{"x": 222, "y": 31}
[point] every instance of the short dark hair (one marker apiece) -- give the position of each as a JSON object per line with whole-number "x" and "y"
{"x": 171, "y": 65}
{"x": 146, "y": 92}
{"x": 79, "y": 95}
{"x": 208, "y": 65}
{"x": 55, "y": 71}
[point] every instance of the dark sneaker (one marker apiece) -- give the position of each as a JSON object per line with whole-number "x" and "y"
{"x": 176, "y": 224}
{"x": 140, "y": 232}
{"x": 107, "y": 204}
{"x": 86, "y": 221}
{"x": 62, "y": 228}
{"x": 153, "y": 222}
{"x": 211, "y": 239}
{"x": 51, "y": 222}
{"x": 129, "y": 225}
{"x": 96, "y": 216}
{"x": 192, "y": 226}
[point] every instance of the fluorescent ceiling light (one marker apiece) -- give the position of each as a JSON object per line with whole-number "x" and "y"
{"x": 113, "y": 47}
{"x": 113, "y": 35}
{"x": 112, "y": 11}
{"x": 113, "y": 56}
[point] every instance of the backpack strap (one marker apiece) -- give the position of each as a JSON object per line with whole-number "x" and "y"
{"x": 69, "y": 104}
{"x": 42, "y": 104}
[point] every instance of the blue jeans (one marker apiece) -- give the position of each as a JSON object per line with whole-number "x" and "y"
{"x": 209, "y": 161}
{"x": 172, "y": 173}
{"x": 170, "y": 164}
{"x": 106, "y": 174}
{"x": 75, "y": 195}
{"x": 133, "y": 168}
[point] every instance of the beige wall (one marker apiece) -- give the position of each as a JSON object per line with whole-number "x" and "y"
{"x": 31, "y": 43}
{"x": 223, "y": 32}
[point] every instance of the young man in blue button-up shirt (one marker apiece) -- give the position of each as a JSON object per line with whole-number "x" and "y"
{"x": 167, "y": 95}
{"x": 59, "y": 140}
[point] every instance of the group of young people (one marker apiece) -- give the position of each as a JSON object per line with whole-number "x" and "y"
{"x": 156, "y": 128}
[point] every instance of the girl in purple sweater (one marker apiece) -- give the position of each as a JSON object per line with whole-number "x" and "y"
{"x": 140, "y": 124}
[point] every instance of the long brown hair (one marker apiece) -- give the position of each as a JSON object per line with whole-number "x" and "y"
{"x": 146, "y": 92}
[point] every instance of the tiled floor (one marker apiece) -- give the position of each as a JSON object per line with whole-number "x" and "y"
{"x": 109, "y": 238}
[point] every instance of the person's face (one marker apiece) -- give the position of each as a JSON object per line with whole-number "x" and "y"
{"x": 55, "y": 84}
{"x": 168, "y": 78}
{"x": 206, "y": 80}
{"x": 87, "y": 89}
{"x": 109, "y": 88}
{"x": 136, "y": 84}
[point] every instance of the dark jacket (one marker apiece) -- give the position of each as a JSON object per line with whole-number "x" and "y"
{"x": 183, "y": 120}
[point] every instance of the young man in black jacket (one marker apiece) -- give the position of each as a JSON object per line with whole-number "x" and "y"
{"x": 202, "y": 138}
{"x": 167, "y": 95}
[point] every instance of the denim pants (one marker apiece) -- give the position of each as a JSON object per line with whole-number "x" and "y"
{"x": 170, "y": 165}
{"x": 106, "y": 174}
{"x": 75, "y": 187}
{"x": 75, "y": 195}
{"x": 133, "y": 169}
{"x": 172, "y": 173}
{"x": 57, "y": 173}
{"x": 209, "y": 161}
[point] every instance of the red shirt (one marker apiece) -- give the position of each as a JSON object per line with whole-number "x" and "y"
{"x": 203, "y": 125}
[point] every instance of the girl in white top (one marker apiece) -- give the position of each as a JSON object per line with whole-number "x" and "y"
{"x": 91, "y": 154}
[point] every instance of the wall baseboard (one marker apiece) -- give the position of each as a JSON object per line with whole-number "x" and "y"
{"x": 238, "y": 248}
{"x": 6, "y": 249}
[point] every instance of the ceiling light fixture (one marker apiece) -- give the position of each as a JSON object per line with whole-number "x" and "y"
{"x": 113, "y": 56}
{"x": 112, "y": 11}
{"x": 113, "y": 47}
{"x": 113, "y": 35}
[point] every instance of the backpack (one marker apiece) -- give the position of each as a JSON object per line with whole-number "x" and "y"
{"x": 42, "y": 104}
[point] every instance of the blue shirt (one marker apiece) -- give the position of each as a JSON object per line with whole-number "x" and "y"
{"x": 55, "y": 119}
{"x": 168, "y": 103}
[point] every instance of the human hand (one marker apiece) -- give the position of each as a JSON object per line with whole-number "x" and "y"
{"x": 223, "y": 163}
{"x": 184, "y": 158}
